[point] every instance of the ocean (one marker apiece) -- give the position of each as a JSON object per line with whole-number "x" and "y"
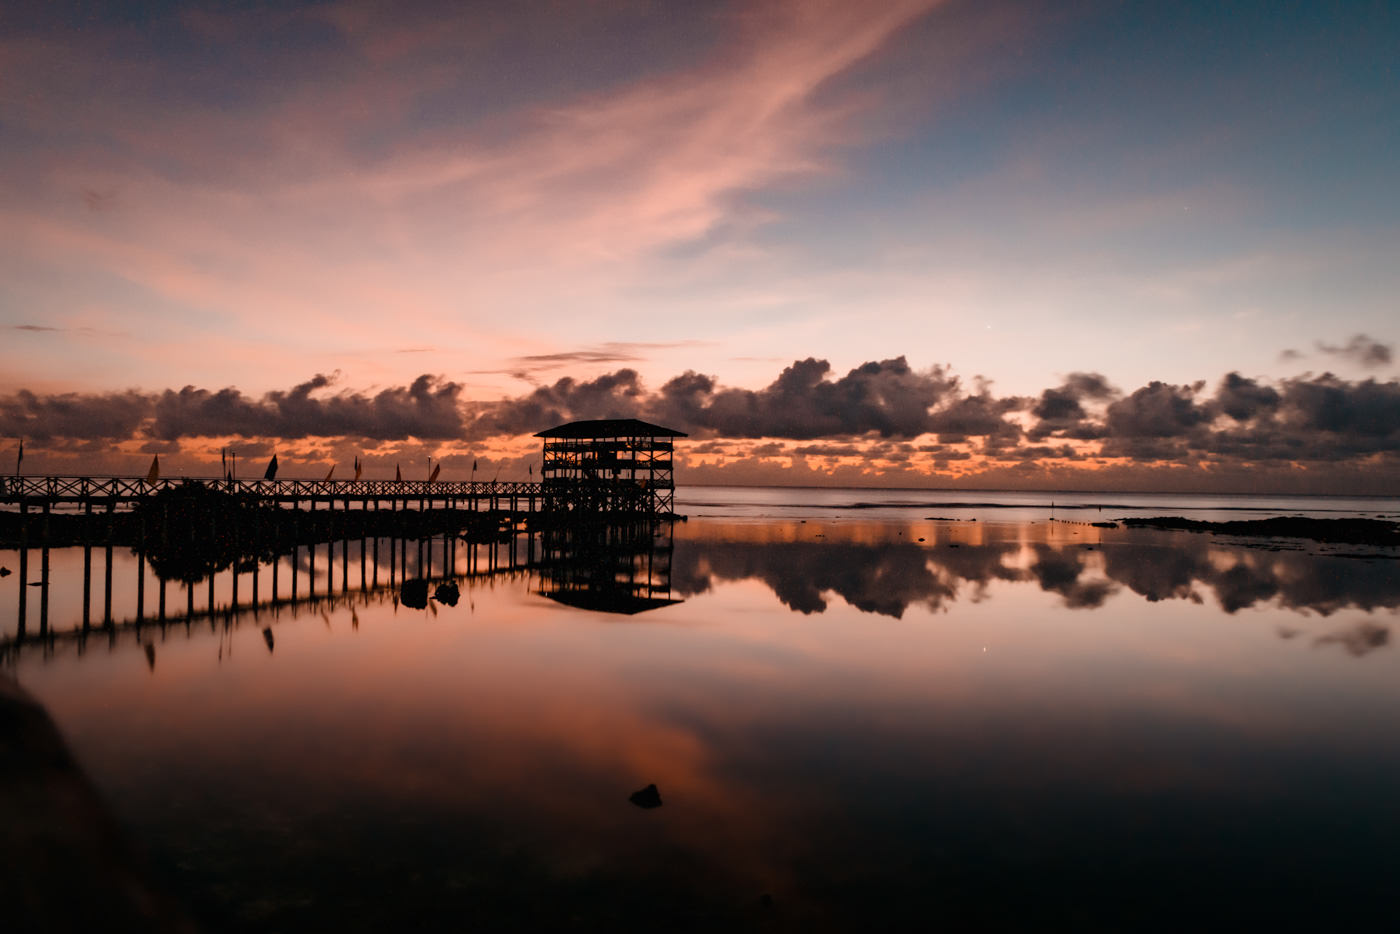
{"x": 859, "y": 710}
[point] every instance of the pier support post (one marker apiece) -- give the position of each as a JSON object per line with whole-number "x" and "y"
{"x": 140, "y": 585}
{"x": 107, "y": 569}
{"x": 23, "y": 567}
{"x": 44, "y": 576}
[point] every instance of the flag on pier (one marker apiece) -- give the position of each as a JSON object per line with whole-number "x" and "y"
{"x": 358, "y": 468}
{"x": 271, "y": 473}
{"x": 398, "y": 474}
{"x": 432, "y": 478}
{"x": 330, "y": 472}
{"x": 153, "y": 474}
{"x": 19, "y": 460}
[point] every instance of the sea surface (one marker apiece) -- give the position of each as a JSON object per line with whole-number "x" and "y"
{"x": 860, "y": 709}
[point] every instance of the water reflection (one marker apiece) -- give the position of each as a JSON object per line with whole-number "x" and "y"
{"x": 877, "y": 568}
{"x": 885, "y": 570}
{"x": 1015, "y": 761}
{"x": 622, "y": 569}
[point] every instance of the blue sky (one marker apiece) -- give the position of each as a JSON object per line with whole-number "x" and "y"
{"x": 506, "y": 194}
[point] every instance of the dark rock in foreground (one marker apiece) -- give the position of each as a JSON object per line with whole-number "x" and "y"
{"x": 1340, "y": 531}
{"x": 648, "y": 797}
{"x": 68, "y": 865}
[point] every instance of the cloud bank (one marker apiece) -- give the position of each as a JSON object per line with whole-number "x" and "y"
{"x": 884, "y": 412}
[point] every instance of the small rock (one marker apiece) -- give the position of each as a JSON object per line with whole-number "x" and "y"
{"x": 414, "y": 593}
{"x": 647, "y": 798}
{"x": 4, "y": 572}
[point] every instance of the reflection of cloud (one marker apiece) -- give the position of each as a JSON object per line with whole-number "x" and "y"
{"x": 887, "y": 577}
{"x": 1361, "y": 639}
{"x": 882, "y": 579}
{"x": 1059, "y": 570}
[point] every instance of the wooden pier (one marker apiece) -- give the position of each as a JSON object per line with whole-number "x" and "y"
{"x": 114, "y": 492}
{"x": 604, "y": 486}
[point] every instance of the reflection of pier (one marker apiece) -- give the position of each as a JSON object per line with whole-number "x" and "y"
{"x": 109, "y": 511}
{"x": 316, "y": 576}
{"x": 608, "y": 568}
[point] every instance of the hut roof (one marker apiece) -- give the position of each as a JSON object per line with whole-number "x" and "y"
{"x": 610, "y": 428}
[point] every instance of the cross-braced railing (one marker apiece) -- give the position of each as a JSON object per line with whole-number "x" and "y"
{"x": 29, "y": 489}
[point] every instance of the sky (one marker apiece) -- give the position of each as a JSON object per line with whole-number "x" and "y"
{"x": 909, "y": 243}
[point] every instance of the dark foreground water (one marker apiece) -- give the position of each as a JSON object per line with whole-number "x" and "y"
{"x": 852, "y": 723}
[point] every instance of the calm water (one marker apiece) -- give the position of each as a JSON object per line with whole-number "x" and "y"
{"x": 852, "y": 720}
{"x": 1012, "y": 505}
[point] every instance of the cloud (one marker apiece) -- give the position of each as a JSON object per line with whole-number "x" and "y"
{"x": 609, "y": 352}
{"x": 1361, "y": 350}
{"x": 73, "y": 416}
{"x": 883, "y": 421}
{"x": 1243, "y": 399}
{"x": 887, "y": 398}
{"x": 1061, "y": 411}
{"x": 98, "y": 201}
{"x": 612, "y": 395}
{"x": 429, "y": 408}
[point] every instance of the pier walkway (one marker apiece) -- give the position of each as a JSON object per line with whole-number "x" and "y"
{"x": 112, "y": 492}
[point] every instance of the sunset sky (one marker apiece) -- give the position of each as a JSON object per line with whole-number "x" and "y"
{"x": 1054, "y": 245}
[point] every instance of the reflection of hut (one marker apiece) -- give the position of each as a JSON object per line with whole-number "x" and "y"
{"x": 609, "y": 468}
{"x": 608, "y": 568}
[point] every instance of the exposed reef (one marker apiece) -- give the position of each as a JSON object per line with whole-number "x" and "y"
{"x": 1337, "y": 531}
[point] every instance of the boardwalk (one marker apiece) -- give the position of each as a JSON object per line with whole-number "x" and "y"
{"x": 127, "y": 491}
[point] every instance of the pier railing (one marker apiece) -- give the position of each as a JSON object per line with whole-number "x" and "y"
{"x": 37, "y": 490}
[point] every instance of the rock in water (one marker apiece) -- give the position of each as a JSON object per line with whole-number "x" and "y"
{"x": 447, "y": 593}
{"x": 648, "y": 797}
{"x": 414, "y": 593}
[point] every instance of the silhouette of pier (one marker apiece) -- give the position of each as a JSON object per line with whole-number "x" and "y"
{"x": 114, "y": 492}
{"x": 611, "y": 473}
